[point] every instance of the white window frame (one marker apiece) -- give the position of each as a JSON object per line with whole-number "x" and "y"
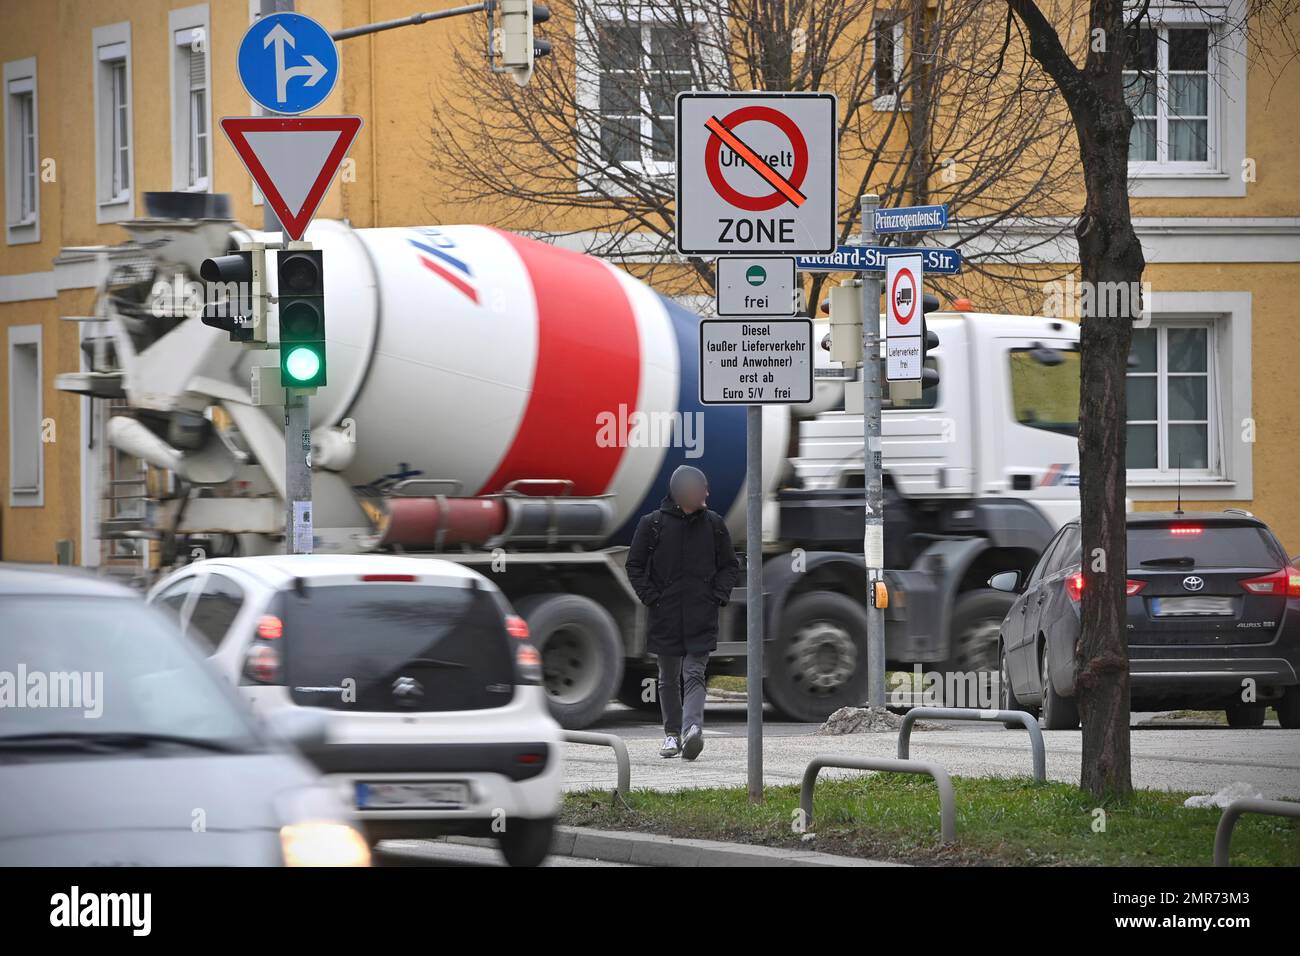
{"x": 189, "y": 32}
{"x": 889, "y": 102}
{"x": 1166, "y": 466}
{"x": 1230, "y": 475}
{"x": 587, "y": 85}
{"x": 25, "y": 496}
{"x": 20, "y": 80}
{"x": 111, "y": 48}
{"x": 1221, "y": 173}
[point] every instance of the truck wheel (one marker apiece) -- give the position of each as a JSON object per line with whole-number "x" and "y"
{"x": 976, "y": 630}
{"x": 527, "y": 842}
{"x": 1288, "y": 708}
{"x": 1247, "y": 715}
{"x": 632, "y": 690}
{"x": 582, "y": 654}
{"x": 1058, "y": 713}
{"x": 819, "y": 659}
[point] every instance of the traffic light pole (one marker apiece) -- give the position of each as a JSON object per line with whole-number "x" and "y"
{"x": 297, "y": 472}
{"x": 874, "y": 533}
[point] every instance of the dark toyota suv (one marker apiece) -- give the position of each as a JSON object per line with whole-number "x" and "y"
{"x": 1213, "y": 612}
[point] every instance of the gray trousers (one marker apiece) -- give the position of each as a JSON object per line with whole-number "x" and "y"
{"x": 675, "y": 675}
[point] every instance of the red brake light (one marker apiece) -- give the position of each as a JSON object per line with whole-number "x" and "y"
{"x": 1185, "y": 529}
{"x": 516, "y": 626}
{"x": 1285, "y": 582}
{"x": 1074, "y": 586}
{"x": 270, "y": 627}
{"x": 388, "y": 577}
{"x": 1132, "y": 587}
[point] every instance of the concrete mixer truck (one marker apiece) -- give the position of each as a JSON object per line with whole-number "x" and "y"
{"x": 515, "y": 406}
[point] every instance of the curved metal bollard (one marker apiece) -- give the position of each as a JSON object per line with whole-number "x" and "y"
{"x": 971, "y": 713}
{"x": 947, "y": 808}
{"x": 1233, "y": 811}
{"x": 616, "y": 744}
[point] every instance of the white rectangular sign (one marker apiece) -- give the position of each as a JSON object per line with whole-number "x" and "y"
{"x": 759, "y": 362}
{"x": 756, "y": 285}
{"x": 904, "y": 317}
{"x": 756, "y": 173}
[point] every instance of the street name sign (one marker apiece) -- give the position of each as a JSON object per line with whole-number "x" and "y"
{"x": 288, "y": 63}
{"x": 910, "y": 219}
{"x": 904, "y": 317}
{"x": 756, "y": 286}
{"x": 872, "y": 259}
{"x": 759, "y": 362}
{"x": 756, "y": 172}
{"x": 292, "y": 159}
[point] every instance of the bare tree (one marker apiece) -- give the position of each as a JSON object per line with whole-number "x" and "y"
{"x": 587, "y": 146}
{"x": 1099, "y": 94}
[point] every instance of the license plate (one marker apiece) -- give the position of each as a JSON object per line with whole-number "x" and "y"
{"x": 412, "y": 795}
{"x": 1192, "y": 606}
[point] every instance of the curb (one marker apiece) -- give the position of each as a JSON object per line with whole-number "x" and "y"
{"x": 652, "y": 849}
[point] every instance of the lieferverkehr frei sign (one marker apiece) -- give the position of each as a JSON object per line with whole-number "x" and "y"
{"x": 872, "y": 259}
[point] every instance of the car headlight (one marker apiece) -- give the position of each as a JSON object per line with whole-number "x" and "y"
{"x": 323, "y": 844}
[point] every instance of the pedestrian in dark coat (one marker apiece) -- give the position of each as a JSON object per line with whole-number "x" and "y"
{"x": 682, "y": 566}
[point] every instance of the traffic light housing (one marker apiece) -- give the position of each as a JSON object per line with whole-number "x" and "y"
{"x": 228, "y": 294}
{"x": 301, "y": 277}
{"x": 513, "y": 47}
{"x": 929, "y": 340}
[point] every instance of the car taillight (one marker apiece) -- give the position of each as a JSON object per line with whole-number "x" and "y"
{"x": 270, "y": 627}
{"x": 528, "y": 664}
{"x": 1185, "y": 529}
{"x": 262, "y": 664}
{"x": 1132, "y": 587}
{"x": 1074, "y": 586}
{"x": 1285, "y": 582}
{"x": 516, "y": 626}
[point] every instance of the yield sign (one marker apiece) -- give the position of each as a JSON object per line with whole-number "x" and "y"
{"x": 292, "y": 160}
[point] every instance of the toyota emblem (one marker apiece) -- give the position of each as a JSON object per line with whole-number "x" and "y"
{"x": 407, "y": 692}
{"x": 1193, "y": 582}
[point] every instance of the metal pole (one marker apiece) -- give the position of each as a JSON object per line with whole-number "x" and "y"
{"x": 270, "y": 221}
{"x": 413, "y": 20}
{"x": 754, "y": 598}
{"x": 874, "y": 532}
{"x": 297, "y": 473}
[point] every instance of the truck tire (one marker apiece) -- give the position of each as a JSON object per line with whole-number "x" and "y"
{"x": 817, "y": 663}
{"x": 1057, "y": 712}
{"x": 582, "y": 654}
{"x": 976, "y": 630}
{"x": 632, "y": 688}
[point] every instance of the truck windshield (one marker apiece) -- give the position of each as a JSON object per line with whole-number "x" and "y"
{"x": 1045, "y": 393}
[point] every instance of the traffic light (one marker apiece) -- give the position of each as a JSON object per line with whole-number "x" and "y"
{"x": 228, "y": 295}
{"x": 301, "y": 275}
{"x": 929, "y": 340}
{"x": 514, "y": 45}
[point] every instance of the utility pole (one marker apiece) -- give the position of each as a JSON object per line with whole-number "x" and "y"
{"x": 874, "y": 533}
{"x": 754, "y": 598}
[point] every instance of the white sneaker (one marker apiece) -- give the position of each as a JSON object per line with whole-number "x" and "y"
{"x": 671, "y": 747}
{"x": 693, "y": 742}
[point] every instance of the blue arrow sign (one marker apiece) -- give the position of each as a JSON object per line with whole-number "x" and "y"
{"x": 872, "y": 259}
{"x": 288, "y": 63}
{"x": 911, "y": 219}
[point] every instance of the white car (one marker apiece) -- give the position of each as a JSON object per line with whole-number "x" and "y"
{"x": 438, "y": 718}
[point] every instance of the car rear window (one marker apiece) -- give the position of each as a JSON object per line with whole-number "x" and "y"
{"x": 403, "y": 647}
{"x": 1209, "y": 545}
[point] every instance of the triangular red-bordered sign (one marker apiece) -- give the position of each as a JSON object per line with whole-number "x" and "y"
{"x": 292, "y": 159}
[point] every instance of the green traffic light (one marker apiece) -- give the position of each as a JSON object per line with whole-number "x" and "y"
{"x": 302, "y": 364}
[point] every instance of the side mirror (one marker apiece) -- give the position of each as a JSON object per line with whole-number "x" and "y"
{"x": 1005, "y": 581}
{"x": 304, "y": 728}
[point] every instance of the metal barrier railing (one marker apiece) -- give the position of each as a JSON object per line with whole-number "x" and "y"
{"x": 947, "y": 808}
{"x": 1233, "y": 811}
{"x": 616, "y": 744}
{"x": 970, "y": 713}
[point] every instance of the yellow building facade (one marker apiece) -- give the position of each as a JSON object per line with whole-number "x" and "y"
{"x": 105, "y": 100}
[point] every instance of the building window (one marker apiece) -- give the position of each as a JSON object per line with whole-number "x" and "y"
{"x": 191, "y": 109}
{"x": 25, "y": 415}
{"x": 1168, "y": 81}
{"x": 1172, "y": 418}
{"x": 887, "y": 68}
{"x": 113, "y": 116}
{"x": 22, "y": 152}
{"x": 642, "y": 66}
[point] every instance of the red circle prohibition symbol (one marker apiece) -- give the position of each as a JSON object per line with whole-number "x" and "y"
{"x": 713, "y": 149}
{"x": 893, "y": 296}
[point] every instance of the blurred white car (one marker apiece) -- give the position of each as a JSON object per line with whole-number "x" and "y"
{"x": 438, "y": 718}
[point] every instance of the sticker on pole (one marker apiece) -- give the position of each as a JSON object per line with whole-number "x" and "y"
{"x": 760, "y": 362}
{"x": 756, "y": 172}
{"x": 292, "y": 160}
{"x": 904, "y": 322}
